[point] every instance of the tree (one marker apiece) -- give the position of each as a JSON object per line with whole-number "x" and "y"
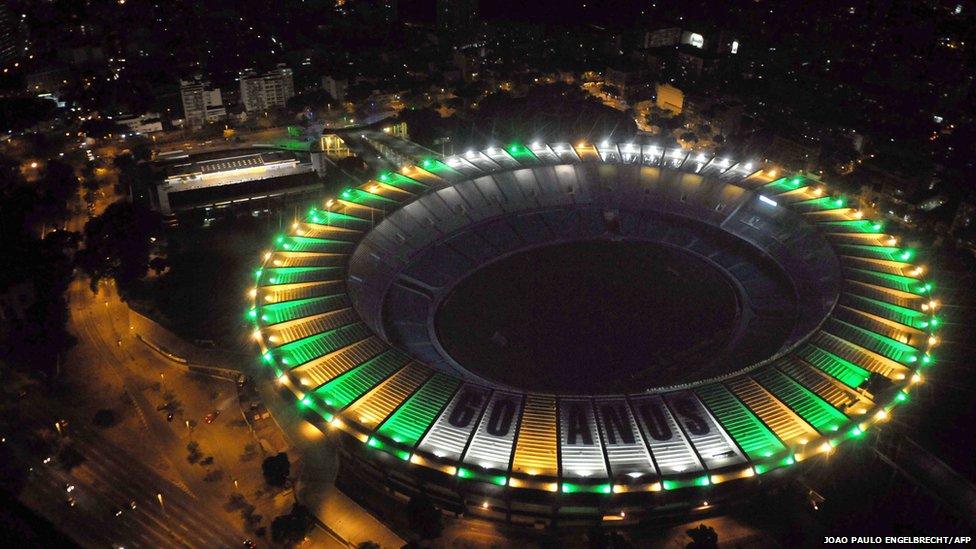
{"x": 20, "y": 113}
{"x": 58, "y": 185}
{"x": 315, "y": 100}
{"x": 101, "y": 127}
{"x": 117, "y": 244}
{"x": 40, "y": 339}
{"x": 291, "y": 528}
{"x": 425, "y": 519}
{"x": 276, "y": 469}
{"x": 702, "y": 537}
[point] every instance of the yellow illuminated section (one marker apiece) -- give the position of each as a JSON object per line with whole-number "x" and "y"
{"x": 787, "y": 426}
{"x": 326, "y": 368}
{"x": 386, "y": 191}
{"x": 586, "y": 151}
{"x": 901, "y": 268}
{"x": 293, "y": 330}
{"x": 358, "y": 210}
{"x": 535, "y": 449}
{"x": 372, "y": 409}
{"x": 301, "y": 290}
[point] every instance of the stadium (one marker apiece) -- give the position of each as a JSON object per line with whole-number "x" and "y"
{"x": 568, "y": 333}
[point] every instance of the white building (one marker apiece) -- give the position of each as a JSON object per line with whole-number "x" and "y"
{"x": 336, "y": 87}
{"x": 268, "y": 90}
{"x": 221, "y": 178}
{"x": 143, "y": 123}
{"x": 201, "y": 102}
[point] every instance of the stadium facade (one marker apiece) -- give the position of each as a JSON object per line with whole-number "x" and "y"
{"x": 344, "y": 308}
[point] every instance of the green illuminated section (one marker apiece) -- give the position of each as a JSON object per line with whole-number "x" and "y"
{"x": 336, "y": 219}
{"x": 374, "y": 442}
{"x": 784, "y": 184}
{"x": 893, "y": 281}
{"x": 309, "y": 348}
{"x": 853, "y": 226}
{"x": 300, "y": 308}
{"x": 762, "y": 468}
{"x": 883, "y": 345}
{"x": 814, "y": 410}
{"x": 401, "y": 181}
{"x": 570, "y": 488}
{"x": 755, "y": 439}
{"x": 293, "y": 275}
{"x": 436, "y": 167}
{"x": 520, "y": 152}
{"x": 821, "y": 204}
{"x": 350, "y": 386}
{"x": 844, "y": 371}
{"x": 674, "y": 484}
{"x": 410, "y": 421}
{"x": 877, "y": 252}
{"x": 310, "y": 244}
{"x": 469, "y": 474}
{"x": 901, "y": 315}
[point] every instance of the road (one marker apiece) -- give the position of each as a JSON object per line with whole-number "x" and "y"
{"x": 167, "y": 513}
{"x": 109, "y": 479}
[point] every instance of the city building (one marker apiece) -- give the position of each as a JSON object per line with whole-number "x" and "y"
{"x": 13, "y": 38}
{"x": 48, "y": 79}
{"x": 230, "y": 177}
{"x": 202, "y": 103}
{"x": 267, "y": 90}
{"x": 335, "y": 86}
{"x": 662, "y": 38}
{"x": 145, "y": 123}
{"x": 670, "y": 98}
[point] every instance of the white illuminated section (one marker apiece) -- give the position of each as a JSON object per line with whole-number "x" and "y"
{"x": 768, "y": 200}
{"x": 735, "y": 47}
{"x": 696, "y": 40}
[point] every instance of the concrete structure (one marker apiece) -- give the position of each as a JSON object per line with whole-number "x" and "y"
{"x": 202, "y": 103}
{"x": 13, "y": 38}
{"x": 223, "y": 178}
{"x": 49, "y": 79}
{"x": 670, "y": 98}
{"x": 662, "y": 38}
{"x": 342, "y": 312}
{"x": 335, "y": 86}
{"x": 145, "y": 123}
{"x": 268, "y": 90}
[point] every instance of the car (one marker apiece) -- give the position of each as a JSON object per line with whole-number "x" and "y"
{"x": 69, "y": 488}
{"x": 119, "y": 511}
{"x": 209, "y": 418}
{"x": 132, "y": 504}
{"x": 169, "y": 416}
{"x": 249, "y": 544}
{"x": 70, "y": 502}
